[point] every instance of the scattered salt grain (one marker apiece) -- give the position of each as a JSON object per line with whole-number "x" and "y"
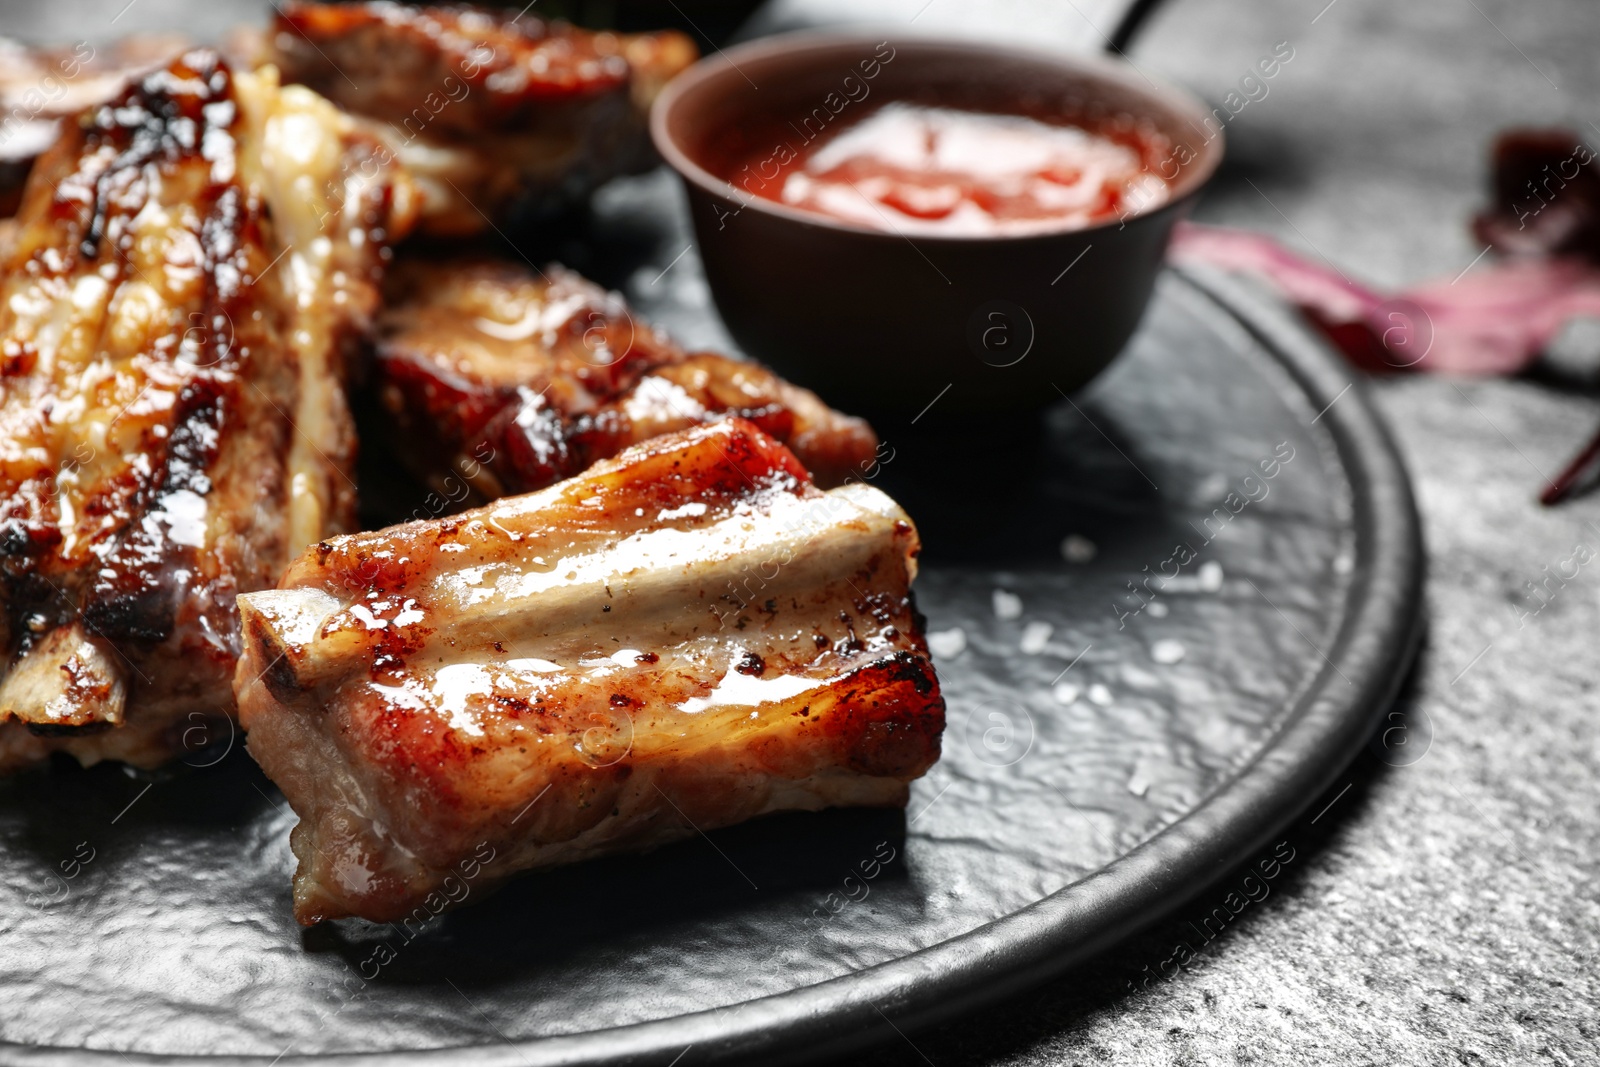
{"x": 947, "y": 644}
{"x": 1076, "y": 549}
{"x": 1035, "y": 636}
{"x": 1157, "y": 610}
{"x": 1100, "y": 694}
{"x": 1066, "y": 693}
{"x": 1167, "y": 651}
{"x": 1138, "y": 784}
{"x": 1210, "y": 575}
{"x": 1007, "y": 605}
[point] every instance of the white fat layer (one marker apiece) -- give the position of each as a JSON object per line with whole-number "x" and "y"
{"x": 296, "y": 150}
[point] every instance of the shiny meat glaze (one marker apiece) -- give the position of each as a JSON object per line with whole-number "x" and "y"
{"x": 41, "y": 86}
{"x": 189, "y": 265}
{"x": 494, "y": 114}
{"x": 509, "y": 382}
{"x": 687, "y": 635}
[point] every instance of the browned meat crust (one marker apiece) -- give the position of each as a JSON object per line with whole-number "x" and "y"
{"x": 512, "y": 381}
{"x": 685, "y": 636}
{"x": 519, "y": 73}
{"x": 495, "y": 114}
{"x": 191, "y": 261}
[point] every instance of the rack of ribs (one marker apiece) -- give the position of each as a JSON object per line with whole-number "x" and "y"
{"x": 497, "y": 116}
{"x": 687, "y": 635}
{"x": 192, "y": 263}
{"x": 505, "y": 381}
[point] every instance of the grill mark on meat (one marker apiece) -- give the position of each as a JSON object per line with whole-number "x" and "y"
{"x": 180, "y": 118}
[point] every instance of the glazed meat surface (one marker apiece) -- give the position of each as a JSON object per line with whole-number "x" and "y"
{"x": 507, "y": 381}
{"x": 686, "y": 636}
{"x": 190, "y": 264}
{"x": 495, "y": 114}
{"x": 41, "y": 86}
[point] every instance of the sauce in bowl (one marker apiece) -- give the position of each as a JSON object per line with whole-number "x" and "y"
{"x": 913, "y": 168}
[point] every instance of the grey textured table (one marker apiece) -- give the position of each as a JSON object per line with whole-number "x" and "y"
{"x": 1445, "y": 911}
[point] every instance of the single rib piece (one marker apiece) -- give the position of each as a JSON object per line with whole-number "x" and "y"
{"x": 191, "y": 262}
{"x": 495, "y": 113}
{"x": 494, "y": 377}
{"x": 687, "y": 635}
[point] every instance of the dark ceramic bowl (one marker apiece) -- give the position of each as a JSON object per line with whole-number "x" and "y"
{"x": 879, "y": 320}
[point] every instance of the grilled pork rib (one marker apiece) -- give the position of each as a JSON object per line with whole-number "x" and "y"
{"x": 494, "y": 114}
{"x": 192, "y": 261}
{"x": 510, "y": 382}
{"x": 687, "y": 635}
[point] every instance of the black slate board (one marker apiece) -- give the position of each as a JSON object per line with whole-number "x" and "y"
{"x": 1090, "y": 782}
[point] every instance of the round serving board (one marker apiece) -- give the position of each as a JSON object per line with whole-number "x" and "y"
{"x": 1115, "y": 740}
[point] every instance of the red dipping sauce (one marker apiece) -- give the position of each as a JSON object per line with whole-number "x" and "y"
{"x": 910, "y": 168}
